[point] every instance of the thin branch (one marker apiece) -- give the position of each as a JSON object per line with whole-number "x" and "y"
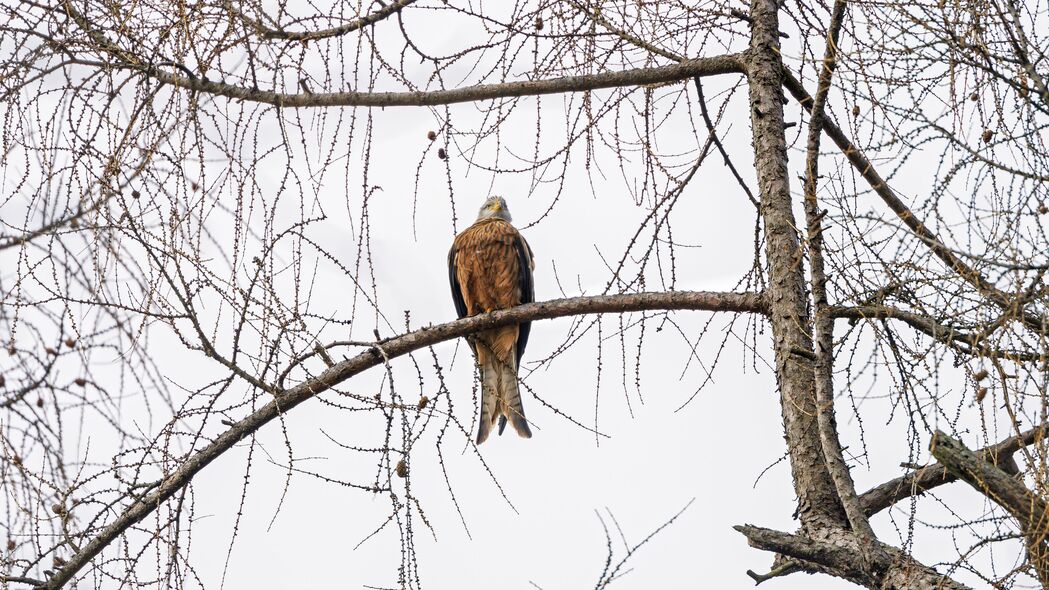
{"x": 725, "y": 64}
{"x": 354, "y": 25}
{"x": 823, "y": 324}
{"x": 717, "y": 143}
{"x": 21, "y": 580}
{"x": 957, "y": 339}
{"x": 722, "y": 64}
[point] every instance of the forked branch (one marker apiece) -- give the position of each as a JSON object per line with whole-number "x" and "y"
{"x": 931, "y": 476}
{"x": 1029, "y": 510}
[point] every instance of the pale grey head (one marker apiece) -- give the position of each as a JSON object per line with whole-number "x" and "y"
{"x": 494, "y": 207}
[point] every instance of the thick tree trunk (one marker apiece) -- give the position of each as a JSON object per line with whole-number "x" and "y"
{"x": 818, "y": 503}
{"x": 826, "y": 542}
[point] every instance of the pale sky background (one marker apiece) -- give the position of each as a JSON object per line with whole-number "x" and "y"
{"x": 711, "y": 452}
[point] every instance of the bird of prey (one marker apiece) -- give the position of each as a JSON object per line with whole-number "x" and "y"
{"x": 490, "y": 267}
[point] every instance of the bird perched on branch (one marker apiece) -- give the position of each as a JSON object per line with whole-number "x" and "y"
{"x": 490, "y": 267}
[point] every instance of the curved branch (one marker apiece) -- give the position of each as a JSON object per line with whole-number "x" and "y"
{"x": 708, "y": 66}
{"x": 392, "y": 348}
{"x": 965, "y": 342}
{"x": 354, "y": 25}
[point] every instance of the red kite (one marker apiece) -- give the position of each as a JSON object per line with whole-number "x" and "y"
{"x": 490, "y": 267}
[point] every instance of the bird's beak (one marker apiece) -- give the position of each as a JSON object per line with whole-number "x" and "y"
{"x": 497, "y": 206}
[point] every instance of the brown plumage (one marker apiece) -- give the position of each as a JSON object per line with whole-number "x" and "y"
{"x": 490, "y": 267}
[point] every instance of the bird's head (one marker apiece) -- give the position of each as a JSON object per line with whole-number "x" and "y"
{"x": 494, "y": 207}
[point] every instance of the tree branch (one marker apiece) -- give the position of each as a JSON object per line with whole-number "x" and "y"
{"x": 962, "y": 341}
{"x": 931, "y": 476}
{"x": 722, "y": 64}
{"x": 864, "y": 561}
{"x": 391, "y": 348}
{"x": 1009, "y": 493}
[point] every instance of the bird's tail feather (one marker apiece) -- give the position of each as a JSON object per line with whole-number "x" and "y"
{"x": 489, "y": 400}
{"x": 500, "y": 399}
{"x": 510, "y": 396}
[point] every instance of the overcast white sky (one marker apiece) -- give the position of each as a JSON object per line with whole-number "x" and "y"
{"x": 713, "y": 452}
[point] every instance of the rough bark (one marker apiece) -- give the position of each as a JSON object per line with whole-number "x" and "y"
{"x": 861, "y": 560}
{"x": 818, "y": 502}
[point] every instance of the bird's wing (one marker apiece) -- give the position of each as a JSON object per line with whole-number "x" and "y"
{"x": 453, "y": 278}
{"x": 525, "y": 265}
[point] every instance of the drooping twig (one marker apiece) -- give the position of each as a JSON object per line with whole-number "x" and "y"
{"x": 866, "y": 168}
{"x": 354, "y": 25}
